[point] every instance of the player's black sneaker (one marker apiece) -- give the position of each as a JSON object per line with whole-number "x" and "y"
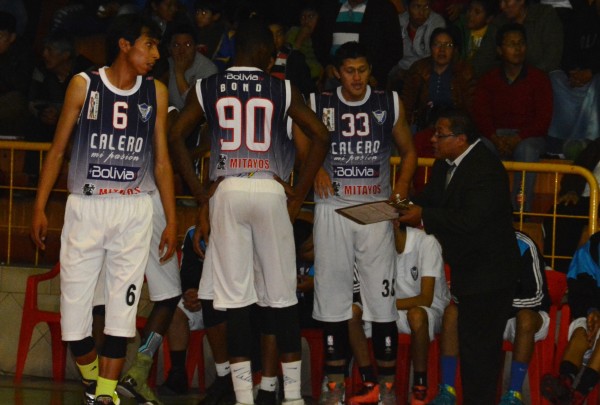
{"x": 220, "y": 392}
{"x": 557, "y": 389}
{"x": 106, "y": 400}
{"x": 89, "y": 392}
{"x": 264, "y": 397}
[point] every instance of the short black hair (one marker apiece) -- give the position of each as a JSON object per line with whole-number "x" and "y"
{"x": 509, "y": 27}
{"x": 129, "y": 27}
{"x": 350, "y": 50}
{"x": 252, "y": 35}
{"x": 8, "y": 22}
{"x": 61, "y": 41}
{"x": 489, "y": 6}
{"x": 445, "y": 30}
{"x": 460, "y": 123}
{"x": 216, "y": 6}
{"x": 180, "y": 29}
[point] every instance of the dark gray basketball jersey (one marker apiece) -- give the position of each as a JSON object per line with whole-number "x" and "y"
{"x": 113, "y": 140}
{"x": 246, "y": 110}
{"x": 361, "y": 144}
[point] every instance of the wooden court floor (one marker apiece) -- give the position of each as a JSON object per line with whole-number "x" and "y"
{"x": 44, "y": 391}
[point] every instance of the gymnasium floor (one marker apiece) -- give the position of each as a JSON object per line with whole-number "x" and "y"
{"x": 41, "y": 391}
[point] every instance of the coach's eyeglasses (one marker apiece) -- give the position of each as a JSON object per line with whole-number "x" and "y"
{"x": 437, "y": 135}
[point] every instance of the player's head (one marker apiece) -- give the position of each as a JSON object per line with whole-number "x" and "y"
{"x": 454, "y": 132}
{"x": 353, "y": 69}
{"x": 254, "y": 44}
{"x": 126, "y": 30}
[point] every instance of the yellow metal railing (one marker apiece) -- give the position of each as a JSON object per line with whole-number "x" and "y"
{"x": 17, "y": 192}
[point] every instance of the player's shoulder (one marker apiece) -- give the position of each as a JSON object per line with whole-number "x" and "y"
{"x": 422, "y": 238}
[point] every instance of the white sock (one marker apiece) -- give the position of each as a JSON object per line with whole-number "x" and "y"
{"x": 291, "y": 379}
{"x": 242, "y": 382}
{"x": 223, "y": 369}
{"x": 268, "y": 383}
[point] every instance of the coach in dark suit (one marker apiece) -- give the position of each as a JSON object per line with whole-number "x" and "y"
{"x": 466, "y": 205}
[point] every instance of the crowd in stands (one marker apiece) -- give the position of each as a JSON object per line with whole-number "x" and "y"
{"x": 528, "y": 73}
{"x": 560, "y": 44}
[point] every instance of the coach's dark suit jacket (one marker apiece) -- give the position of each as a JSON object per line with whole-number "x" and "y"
{"x": 472, "y": 219}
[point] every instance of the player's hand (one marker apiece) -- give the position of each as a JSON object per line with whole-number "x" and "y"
{"x": 593, "y": 324}
{"x": 39, "y": 229}
{"x": 411, "y": 216}
{"x": 202, "y": 230}
{"x": 168, "y": 242}
{"x": 191, "y": 302}
{"x": 570, "y": 198}
{"x": 322, "y": 184}
{"x": 294, "y": 202}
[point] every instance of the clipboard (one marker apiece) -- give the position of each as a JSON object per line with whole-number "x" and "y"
{"x": 370, "y": 213}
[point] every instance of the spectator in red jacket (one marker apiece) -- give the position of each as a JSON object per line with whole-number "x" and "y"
{"x": 512, "y": 107}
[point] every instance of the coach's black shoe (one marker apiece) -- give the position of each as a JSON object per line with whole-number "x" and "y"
{"x": 220, "y": 392}
{"x": 176, "y": 383}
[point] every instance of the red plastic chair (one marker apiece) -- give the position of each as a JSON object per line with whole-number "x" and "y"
{"x": 32, "y": 315}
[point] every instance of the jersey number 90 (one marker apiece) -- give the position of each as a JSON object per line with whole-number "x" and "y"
{"x": 241, "y": 119}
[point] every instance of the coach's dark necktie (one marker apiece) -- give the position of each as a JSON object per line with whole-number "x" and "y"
{"x": 449, "y": 173}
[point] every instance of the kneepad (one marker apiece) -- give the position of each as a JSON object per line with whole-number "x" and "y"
{"x": 285, "y": 324}
{"x": 385, "y": 341}
{"x": 335, "y": 335}
{"x": 169, "y": 303}
{"x": 240, "y": 343}
{"x": 82, "y": 347}
{"x": 115, "y": 347}
{"x": 211, "y": 316}
{"x": 99, "y": 310}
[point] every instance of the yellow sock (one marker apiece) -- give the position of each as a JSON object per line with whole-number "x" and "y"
{"x": 89, "y": 371}
{"x": 106, "y": 386}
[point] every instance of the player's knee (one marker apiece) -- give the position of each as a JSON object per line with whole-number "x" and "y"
{"x": 450, "y": 317}
{"x": 82, "y": 347}
{"x": 417, "y": 318}
{"x": 211, "y": 316}
{"x": 335, "y": 335}
{"x": 115, "y": 347}
{"x": 170, "y": 303}
{"x": 528, "y": 321}
{"x": 356, "y": 313}
{"x": 385, "y": 341}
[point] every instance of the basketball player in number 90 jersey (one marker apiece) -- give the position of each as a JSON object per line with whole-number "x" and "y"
{"x": 251, "y": 256}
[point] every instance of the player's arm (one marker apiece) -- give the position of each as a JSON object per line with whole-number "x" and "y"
{"x": 188, "y": 120}
{"x": 163, "y": 173}
{"x": 74, "y": 99}
{"x": 406, "y": 148}
{"x": 424, "y": 299}
{"x": 314, "y": 152}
